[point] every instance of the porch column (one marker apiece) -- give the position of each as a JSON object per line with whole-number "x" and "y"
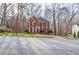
{"x": 42, "y": 26}
{"x": 35, "y": 29}
{"x": 32, "y": 29}
{"x": 32, "y": 26}
{"x": 39, "y": 28}
{"x": 29, "y": 26}
{"x": 46, "y": 27}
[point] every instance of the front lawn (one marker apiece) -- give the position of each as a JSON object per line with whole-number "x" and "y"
{"x": 26, "y": 35}
{"x": 18, "y": 34}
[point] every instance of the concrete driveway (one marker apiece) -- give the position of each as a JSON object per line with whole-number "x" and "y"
{"x": 38, "y": 46}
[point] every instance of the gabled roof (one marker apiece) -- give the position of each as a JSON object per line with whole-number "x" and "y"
{"x": 33, "y": 18}
{"x": 43, "y": 19}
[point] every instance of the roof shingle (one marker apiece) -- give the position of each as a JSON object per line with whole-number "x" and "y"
{"x": 42, "y": 19}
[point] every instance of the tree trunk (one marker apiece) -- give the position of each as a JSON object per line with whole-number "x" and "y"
{"x": 54, "y": 21}
{"x": 4, "y": 13}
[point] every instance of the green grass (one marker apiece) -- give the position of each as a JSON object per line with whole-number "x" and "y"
{"x": 44, "y": 36}
{"x": 18, "y": 34}
{"x": 25, "y": 35}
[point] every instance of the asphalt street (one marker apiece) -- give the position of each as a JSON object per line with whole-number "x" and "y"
{"x": 38, "y": 46}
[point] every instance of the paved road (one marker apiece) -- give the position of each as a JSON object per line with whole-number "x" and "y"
{"x": 38, "y": 46}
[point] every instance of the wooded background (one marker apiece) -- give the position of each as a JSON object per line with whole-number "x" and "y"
{"x": 61, "y": 15}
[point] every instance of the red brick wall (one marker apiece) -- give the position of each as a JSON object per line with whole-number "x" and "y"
{"x": 40, "y": 24}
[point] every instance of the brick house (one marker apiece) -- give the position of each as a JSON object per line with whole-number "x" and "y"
{"x": 38, "y": 25}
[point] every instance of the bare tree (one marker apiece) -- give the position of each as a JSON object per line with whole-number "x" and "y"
{"x": 53, "y": 10}
{"x": 73, "y": 11}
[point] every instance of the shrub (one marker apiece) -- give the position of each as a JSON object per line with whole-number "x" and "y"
{"x": 74, "y": 34}
{"x": 4, "y": 29}
{"x": 8, "y": 30}
{"x": 50, "y": 31}
{"x": 26, "y": 31}
{"x": 41, "y": 31}
{"x": 78, "y": 34}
